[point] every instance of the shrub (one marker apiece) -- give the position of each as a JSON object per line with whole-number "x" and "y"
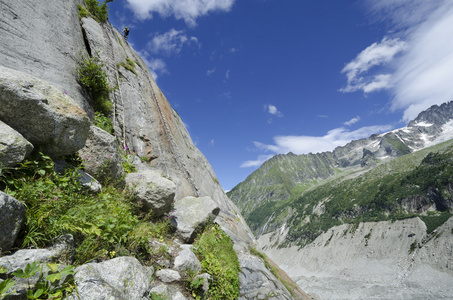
{"x": 103, "y": 122}
{"x": 95, "y": 80}
{"x": 218, "y": 258}
{"x": 99, "y": 12}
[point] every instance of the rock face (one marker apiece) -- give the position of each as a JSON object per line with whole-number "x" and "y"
{"x": 12, "y": 217}
{"x": 43, "y": 39}
{"x": 255, "y": 283}
{"x": 44, "y": 115}
{"x": 14, "y": 148}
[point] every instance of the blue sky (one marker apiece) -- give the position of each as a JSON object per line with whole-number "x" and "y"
{"x": 255, "y": 78}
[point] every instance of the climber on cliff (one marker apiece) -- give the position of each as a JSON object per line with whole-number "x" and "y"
{"x": 126, "y": 32}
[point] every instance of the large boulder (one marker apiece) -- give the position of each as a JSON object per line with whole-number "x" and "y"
{"x": 101, "y": 156}
{"x": 44, "y": 115}
{"x": 14, "y": 148}
{"x": 12, "y": 217}
{"x": 122, "y": 278}
{"x": 192, "y": 215}
{"x": 155, "y": 192}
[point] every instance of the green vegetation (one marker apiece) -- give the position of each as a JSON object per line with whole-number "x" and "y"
{"x": 96, "y": 10}
{"x": 95, "y": 80}
{"x": 434, "y": 221}
{"x": 103, "y": 122}
{"x": 215, "y": 251}
{"x": 351, "y": 196}
{"x": 56, "y": 285}
{"x": 129, "y": 65}
{"x": 104, "y": 225}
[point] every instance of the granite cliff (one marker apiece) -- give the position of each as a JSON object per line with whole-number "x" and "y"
{"x": 42, "y": 44}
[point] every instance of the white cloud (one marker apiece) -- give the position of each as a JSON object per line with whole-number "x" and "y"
{"x": 188, "y": 10}
{"x": 375, "y": 55}
{"x": 352, "y": 121}
{"x": 256, "y": 163}
{"x": 156, "y": 66}
{"x": 227, "y": 74}
{"x": 170, "y": 42}
{"x": 313, "y": 144}
{"x": 211, "y": 143}
{"x": 272, "y": 109}
{"x": 417, "y": 55}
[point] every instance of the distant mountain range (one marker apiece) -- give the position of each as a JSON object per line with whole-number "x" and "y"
{"x": 369, "y": 220}
{"x": 286, "y": 177}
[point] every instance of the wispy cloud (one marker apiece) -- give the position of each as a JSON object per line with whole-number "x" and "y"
{"x": 156, "y": 66}
{"x": 352, "y": 121}
{"x": 170, "y": 43}
{"x": 414, "y": 62}
{"x": 375, "y": 55}
{"x": 272, "y": 109}
{"x": 209, "y": 72}
{"x": 256, "y": 163}
{"x": 313, "y": 144}
{"x": 188, "y": 10}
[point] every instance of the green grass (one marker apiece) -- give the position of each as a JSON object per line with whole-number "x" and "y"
{"x": 215, "y": 251}
{"x": 129, "y": 65}
{"x": 104, "y": 225}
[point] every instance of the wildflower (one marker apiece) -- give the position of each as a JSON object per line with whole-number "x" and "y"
{"x": 64, "y": 92}
{"x": 55, "y": 198}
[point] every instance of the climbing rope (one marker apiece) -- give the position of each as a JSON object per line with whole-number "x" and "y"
{"x": 111, "y": 64}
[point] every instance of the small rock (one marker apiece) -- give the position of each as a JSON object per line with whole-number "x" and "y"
{"x": 187, "y": 260}
{"x": 168, "y": 276}
{"x": 12, "y": 217}
{"x": 14, "y": 148}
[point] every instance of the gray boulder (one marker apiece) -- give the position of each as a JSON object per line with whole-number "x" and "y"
{"x": 168, "y": 275}
{"x": 191, "y": 216}
{"x": 186, "y": 260}
{"x": 14, "y": 148}
{"x": 101, "y": 156}
{"x": 44, "y": 115}
{"x": 122, "y": 278}
{"x": 155, "y": 192}
{"x": 257, "y": 282}
{"x": 12, "y": 217}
